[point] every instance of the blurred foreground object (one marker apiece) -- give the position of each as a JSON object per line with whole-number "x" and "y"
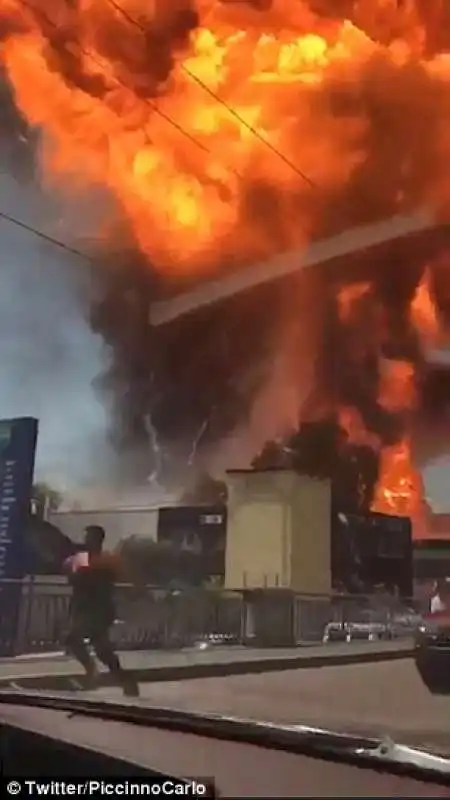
{"x": 48, "y": 547}
{"x": 432, "y": 652}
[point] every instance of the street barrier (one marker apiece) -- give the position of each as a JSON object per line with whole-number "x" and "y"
{"x": 159, "y": 618}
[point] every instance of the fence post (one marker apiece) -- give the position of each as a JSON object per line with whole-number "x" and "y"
{"x": 26, "y": 605}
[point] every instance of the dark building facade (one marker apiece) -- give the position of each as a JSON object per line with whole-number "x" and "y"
{"x": 431, "y": 559}
{"x": 197, "y": 529}
{"x": 369, "y": 551}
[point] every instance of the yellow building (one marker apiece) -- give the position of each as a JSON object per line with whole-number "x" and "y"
{"x": 278, "y": 531}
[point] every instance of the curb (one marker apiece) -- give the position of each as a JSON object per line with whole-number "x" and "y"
{"x": 74, "y": 681}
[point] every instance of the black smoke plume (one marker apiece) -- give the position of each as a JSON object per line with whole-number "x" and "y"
{"x": 202, "y": 373}
{"x": 199, "y": 376}
{"x": 17, "y": 141}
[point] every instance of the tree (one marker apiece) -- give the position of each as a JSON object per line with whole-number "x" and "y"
{"x": 160, "y": 563}
{"x": 312, "y": 450}
{"x": 322, "y": 450}
{"x": 45, "y": 498}
{"x": 272, "y": 456}
{"x": 206, "y": 490}
{"x": 46, "y": 547}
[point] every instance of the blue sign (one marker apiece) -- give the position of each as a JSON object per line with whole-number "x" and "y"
{"x": 18, "y": 438}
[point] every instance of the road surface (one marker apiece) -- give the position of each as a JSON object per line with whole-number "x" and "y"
{"x": 174, "y": 665}
{"x": 381, "y": 698}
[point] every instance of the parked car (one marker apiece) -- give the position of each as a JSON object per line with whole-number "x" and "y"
{"x": 367, "y": 629}
{"x": 335, "y": 632}
{"x": 405, "y": 623}
{"x": 374, "y": 624}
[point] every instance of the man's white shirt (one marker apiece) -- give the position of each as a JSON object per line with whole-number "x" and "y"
{"x": 437, "y": 605}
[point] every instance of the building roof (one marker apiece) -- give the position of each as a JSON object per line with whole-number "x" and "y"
{"x": 353, "y": 240}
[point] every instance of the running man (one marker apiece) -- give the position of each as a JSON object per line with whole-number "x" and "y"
{"x": 92, "y": 574}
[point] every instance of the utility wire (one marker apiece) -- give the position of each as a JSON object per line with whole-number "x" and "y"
{"x": 43, "y": 236}
{"x": 10, "y": 219}
{"x": 224, "y": 103}
{"x": 97, "y": 61}
{"x": 193, "y": 77}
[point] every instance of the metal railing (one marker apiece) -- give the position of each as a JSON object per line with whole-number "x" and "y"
{"x": 159, "y": 618}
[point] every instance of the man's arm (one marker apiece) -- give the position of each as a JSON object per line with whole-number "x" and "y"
{"x": 75, "y": 562}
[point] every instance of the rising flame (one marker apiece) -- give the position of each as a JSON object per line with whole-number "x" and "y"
{"x": 400, "y": 489}
{"x": 209, "y": 121}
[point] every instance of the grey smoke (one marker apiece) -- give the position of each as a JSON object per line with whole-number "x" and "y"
{"x": 49, "y": 357}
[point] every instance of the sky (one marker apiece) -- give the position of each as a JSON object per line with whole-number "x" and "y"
{"x": 437, "y": 484}
{"x": 48, "y": 355}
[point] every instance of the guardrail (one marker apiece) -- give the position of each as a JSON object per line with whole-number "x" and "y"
{"x": 159, "y": 618}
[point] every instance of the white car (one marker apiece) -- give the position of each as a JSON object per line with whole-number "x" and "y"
{"x": 349, "y": 631}
{"x": 405, "y": 623}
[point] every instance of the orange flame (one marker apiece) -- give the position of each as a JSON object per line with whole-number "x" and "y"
{"x": 400, "y": 487}
{"x": 351, "y": 422}
{"x": 397, "y": 391}
{"x": 399, "y": 490}
{"x": 424, "y": 316}
{"x": 178, "y": 120}
{"x": 348, "y": 298}
{"x": 180, "y": 109}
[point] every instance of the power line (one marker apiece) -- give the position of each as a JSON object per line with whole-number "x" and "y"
{"x": 10, "y": 219}
{"x": 224, "y": 103}
{"x": 193, "y": 77}
{"x": 44, "y": 236}
{"x": 145, "y": 100}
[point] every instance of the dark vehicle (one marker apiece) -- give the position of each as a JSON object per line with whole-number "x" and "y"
{"x": 432, "y": 651}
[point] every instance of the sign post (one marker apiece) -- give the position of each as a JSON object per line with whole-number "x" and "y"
{"x": 18, "y": 438}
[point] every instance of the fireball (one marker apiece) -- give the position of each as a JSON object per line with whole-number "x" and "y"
{"x": 231, "y": 131}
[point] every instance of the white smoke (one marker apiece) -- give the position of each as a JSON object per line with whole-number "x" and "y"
{"x": 49, "y": 357}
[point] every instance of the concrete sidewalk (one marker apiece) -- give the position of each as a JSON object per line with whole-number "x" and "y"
{"x": 62, "y": 673}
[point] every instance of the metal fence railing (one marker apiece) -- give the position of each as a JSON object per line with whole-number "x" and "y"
{"x": 158, "y": 618}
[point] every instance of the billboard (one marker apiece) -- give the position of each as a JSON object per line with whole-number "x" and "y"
{"x": 18, "y": 438}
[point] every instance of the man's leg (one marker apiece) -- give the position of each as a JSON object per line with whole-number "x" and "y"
{"x": 76, "y": 645}
{"x": 105, "y": 653}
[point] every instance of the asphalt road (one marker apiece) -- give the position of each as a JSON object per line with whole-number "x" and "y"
{"x": 157, "y": 664}
{"x": 380, "y": 698}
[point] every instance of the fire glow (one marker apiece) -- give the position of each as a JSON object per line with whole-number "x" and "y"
{"x": 232, "y": 131}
